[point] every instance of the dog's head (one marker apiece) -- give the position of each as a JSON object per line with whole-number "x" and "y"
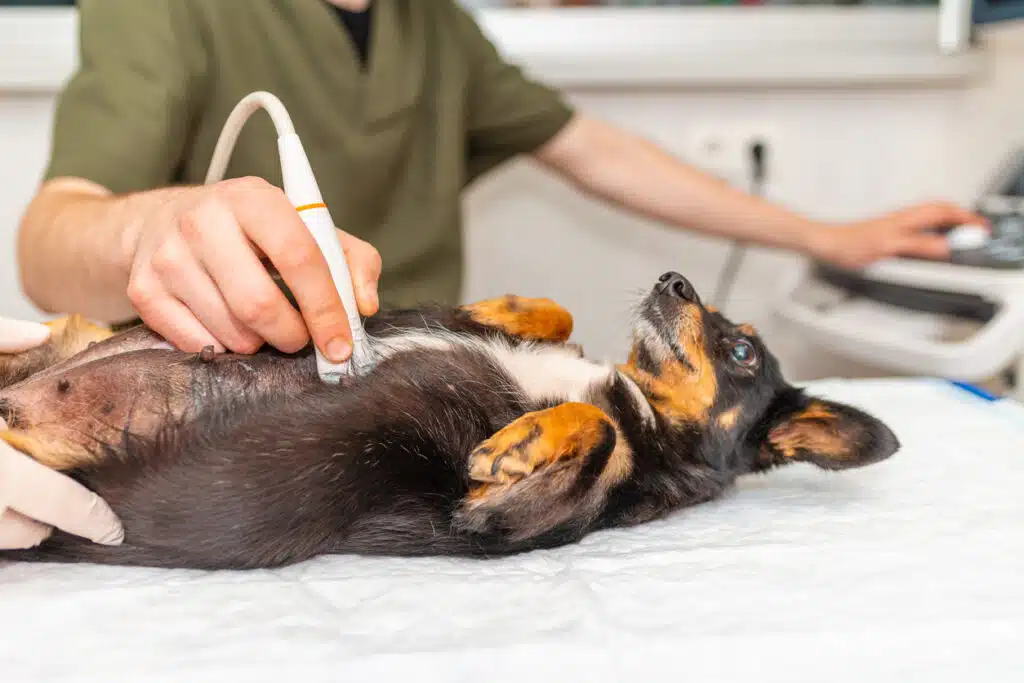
{"x": 706, "y": 376}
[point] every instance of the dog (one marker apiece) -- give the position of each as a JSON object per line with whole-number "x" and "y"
{"x": 481, "y": 432}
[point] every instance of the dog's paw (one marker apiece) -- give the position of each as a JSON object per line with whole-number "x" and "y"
{"x": 528, "y": 318}
{"x": 537, "y": 440}
{"x": 509, "y": 455}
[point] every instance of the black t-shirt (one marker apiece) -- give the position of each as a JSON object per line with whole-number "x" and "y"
{"x": 358, "y": 26}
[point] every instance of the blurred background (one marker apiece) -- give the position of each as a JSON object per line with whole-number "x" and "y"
{"x": 862, "y": 109}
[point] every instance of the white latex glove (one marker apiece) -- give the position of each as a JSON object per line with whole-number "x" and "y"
{"x": 34, "y": 498}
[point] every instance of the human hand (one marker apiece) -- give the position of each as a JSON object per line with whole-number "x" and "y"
{"x": 19, "y": 335}
{"x": 198, "y": 276}
{"x": 909, "y": 232}
{"x": 34, "y": 498}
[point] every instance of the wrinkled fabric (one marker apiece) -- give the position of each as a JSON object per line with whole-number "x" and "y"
{"x": 909, "y": 570}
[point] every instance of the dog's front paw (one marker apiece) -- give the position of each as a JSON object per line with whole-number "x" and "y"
{"x": 509, "y": 455}
{"x": 528, "y": 318}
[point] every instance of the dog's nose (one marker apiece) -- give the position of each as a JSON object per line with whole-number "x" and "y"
{"x": 675, "y": 284}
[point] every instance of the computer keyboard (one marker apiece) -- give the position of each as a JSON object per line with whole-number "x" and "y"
{"x": 1002, "y": 249}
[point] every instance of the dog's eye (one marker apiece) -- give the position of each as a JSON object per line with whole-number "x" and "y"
{"x": 743, "y": 353}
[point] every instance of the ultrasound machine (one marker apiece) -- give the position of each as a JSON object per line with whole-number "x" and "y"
{"x": 961, "y": 319}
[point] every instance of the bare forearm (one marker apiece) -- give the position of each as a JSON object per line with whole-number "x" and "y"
{"x": 75, "y": 248}
{"x": 635, "y": 174}
{"x": 189, "y": 262}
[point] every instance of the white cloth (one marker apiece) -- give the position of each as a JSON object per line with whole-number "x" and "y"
{"x": 910, "y": 570}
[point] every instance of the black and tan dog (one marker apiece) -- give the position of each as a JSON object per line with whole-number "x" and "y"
{"x": 481, "y": 432}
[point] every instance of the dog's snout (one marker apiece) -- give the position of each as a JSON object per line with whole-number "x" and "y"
{"x": 674, "y": 284}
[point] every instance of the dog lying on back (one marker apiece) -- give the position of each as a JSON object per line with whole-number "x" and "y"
{"x": 481, "y": 432}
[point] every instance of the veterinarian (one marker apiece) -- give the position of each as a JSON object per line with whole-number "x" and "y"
{"x": 400, "y": 104}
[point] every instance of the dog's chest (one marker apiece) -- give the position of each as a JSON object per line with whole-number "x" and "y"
{"x": 545, "y": 373}
{"x": 541, "y": 372}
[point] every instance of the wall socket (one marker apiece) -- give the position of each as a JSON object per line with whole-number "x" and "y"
{"x": 724, "y": 151}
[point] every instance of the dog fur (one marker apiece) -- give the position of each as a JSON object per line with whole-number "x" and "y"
{"x": 481, "y": 432}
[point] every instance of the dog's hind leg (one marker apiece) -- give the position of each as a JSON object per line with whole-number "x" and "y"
{"x": 69, "y": 336}
{"x": 547, "y": 469}
{"x": 54, "y": 453}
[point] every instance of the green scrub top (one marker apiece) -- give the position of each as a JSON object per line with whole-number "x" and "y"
{"x": 392, "y": 144}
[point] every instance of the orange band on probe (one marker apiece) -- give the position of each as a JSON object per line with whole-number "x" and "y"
{"x": 305, "y": 207}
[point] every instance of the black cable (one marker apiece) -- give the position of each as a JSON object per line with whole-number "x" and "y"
{"x": 758, "y": 152}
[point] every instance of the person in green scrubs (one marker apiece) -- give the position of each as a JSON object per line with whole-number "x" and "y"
{"x": 400, "y": 104}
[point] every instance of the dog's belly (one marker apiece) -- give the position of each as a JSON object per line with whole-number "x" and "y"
{"x": 374, "y": 466}
{"x": 134, "y": 382}
{"x": 377, "y": 465}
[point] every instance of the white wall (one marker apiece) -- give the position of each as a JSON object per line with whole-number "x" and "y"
{"x": 839, "y": 153}
{"x": 24, "y": 141}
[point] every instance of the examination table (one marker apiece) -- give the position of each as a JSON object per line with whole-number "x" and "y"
{"x": 910, "y": 570}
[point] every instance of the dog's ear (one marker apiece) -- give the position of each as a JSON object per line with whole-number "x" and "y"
{"x": 825, "y": 433}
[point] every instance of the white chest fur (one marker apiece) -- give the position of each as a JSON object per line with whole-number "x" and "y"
{"x": 549, "y": 372}
{"x": 542, "y": 372}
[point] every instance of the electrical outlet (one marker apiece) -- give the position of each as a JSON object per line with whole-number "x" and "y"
{"x": 725, "y": 150}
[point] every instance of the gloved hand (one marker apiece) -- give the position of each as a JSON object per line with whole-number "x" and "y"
{"x": 34, "y": 498}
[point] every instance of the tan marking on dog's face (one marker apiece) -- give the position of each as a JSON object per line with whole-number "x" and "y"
{"x": 537, "y": 319}
{"x": 747, "y": 330}
{"x": 681, "y": 390}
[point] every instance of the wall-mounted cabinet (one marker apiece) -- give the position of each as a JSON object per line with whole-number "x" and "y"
{"x": 729, "y": 47}
{"x": 646, "y": 43}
